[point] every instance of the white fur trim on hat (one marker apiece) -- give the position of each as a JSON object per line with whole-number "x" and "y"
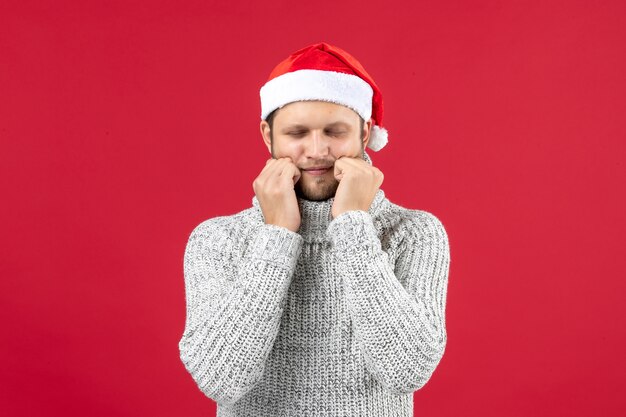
{"x": 378, "y": 138}
{"x": 309, "y": 84}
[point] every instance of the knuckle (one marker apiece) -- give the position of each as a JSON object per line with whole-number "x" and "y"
{"x": 258, "y": 183}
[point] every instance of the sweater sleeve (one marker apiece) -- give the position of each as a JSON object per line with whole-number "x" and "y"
{"x": 398, "y": 312}
{"x": 234, "y": 304}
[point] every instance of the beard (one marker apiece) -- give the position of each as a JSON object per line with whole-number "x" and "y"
{"x": 317, "y": 189}
{"x": 321, "y": 187}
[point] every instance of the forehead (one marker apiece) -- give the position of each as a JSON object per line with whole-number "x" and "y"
{"x": 315, "y": 113}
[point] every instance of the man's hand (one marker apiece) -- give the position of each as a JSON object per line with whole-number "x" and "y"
{"x": 274, "y": 188}
{"x": 358, "y": 183}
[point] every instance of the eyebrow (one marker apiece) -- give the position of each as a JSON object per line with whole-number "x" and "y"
{"x": 301, "y": 126}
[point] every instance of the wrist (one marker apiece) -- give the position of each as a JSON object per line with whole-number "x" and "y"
{"x": 353, "y": 229}
{"x": 287, "y": 226}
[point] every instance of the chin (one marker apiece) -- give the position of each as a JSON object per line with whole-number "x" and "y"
{"x": 317, "y": 197}
{"x": 320, "y": 191}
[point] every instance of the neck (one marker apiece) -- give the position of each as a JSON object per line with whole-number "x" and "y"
{"x": 316, "y": 215}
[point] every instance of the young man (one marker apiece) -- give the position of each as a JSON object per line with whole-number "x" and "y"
{"x": 323, "y": 298}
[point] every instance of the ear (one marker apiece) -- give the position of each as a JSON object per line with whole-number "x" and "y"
{"x": 265, "y": 133}
{"x": 367, "y": 128}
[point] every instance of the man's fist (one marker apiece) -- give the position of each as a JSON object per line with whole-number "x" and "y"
{"x": 274, "y": 188}
{"x": 358, "y": 184}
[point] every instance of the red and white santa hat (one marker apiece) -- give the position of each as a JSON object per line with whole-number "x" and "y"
{"x": 327, "y": 73}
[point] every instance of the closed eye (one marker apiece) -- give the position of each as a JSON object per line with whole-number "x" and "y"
{"x": 329, "y": 133}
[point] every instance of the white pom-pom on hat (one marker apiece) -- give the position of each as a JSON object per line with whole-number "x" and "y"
{"x": 378, "y": 138}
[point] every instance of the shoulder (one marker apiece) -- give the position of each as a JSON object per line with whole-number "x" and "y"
{"x": 425, "y": 223}
{"x": 220, "y": 233}
{"x": 413, "y": 225}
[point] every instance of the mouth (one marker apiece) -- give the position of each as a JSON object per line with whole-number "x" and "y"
{"x": 317, "y": 170}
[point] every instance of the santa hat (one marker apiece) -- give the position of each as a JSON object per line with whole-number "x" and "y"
{"x": 327, "y": 73}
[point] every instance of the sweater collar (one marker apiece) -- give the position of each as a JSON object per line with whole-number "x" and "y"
{"x": 316, "y": 215}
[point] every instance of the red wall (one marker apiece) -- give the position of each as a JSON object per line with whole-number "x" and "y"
{"x": 122, "y": 126}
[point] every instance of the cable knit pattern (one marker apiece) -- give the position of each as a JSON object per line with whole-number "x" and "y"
{"x": 344, "y": 318}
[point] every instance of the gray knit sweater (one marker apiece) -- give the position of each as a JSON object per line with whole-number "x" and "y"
{"x": 344, "y": 318}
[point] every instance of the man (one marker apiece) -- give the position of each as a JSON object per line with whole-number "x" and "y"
{"x": 323, "y": 298}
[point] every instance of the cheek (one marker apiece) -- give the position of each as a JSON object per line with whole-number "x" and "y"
{"x": 288, "y": 148}
{"x": 346, "y": 147}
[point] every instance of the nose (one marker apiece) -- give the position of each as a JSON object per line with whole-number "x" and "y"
{"x": 317, "y": 146}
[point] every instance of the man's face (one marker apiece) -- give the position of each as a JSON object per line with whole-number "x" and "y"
{"x": 315, "y": 134}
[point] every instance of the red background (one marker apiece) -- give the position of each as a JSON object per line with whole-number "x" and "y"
{"x": 124, "y": 125}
